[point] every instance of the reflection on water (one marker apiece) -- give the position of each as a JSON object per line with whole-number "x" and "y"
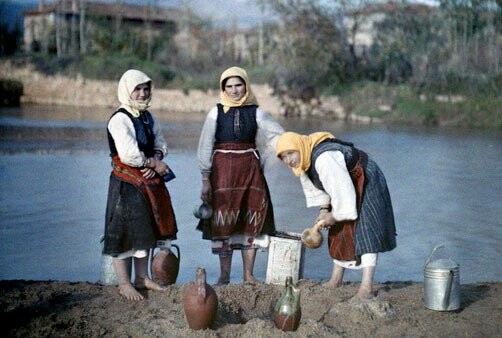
{"x": 445, "y": 187}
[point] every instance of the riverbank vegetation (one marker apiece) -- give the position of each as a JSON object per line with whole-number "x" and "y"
{"x": 393, "y": 61}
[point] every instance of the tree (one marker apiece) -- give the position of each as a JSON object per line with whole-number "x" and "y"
{"x": 311, "y": 53}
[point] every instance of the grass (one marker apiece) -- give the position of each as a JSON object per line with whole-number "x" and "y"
{"x": 406, "y": 106}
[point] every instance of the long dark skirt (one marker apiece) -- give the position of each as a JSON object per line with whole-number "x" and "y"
{"x": 129, "y": 222}
{"x": 375, "y": 230}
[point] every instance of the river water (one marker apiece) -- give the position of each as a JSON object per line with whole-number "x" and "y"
{"x": 446, "y": 188}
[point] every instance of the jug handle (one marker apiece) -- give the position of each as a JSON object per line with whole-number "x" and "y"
{"x": 318, "y": 225}
{"x": 432, "y": 253}
{"x": 177, "y": 249}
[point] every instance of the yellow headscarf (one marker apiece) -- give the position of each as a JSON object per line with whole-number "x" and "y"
{"x": 246, "y": 100}
{"x": 304, "y": 144}
{"x": 127, "y": 83}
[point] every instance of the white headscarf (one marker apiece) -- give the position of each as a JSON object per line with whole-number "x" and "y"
{"x": 127, "y": 83}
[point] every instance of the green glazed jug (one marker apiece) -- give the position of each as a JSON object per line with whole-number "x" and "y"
{"x": 287, "y": 311}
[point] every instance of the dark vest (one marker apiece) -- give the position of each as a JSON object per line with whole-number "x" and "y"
{"x": 143, "y": 125}
{"x": 350, "y": 153}
{"x": 238, "y": 125}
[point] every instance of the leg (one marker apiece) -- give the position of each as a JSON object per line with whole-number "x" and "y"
{"x": 336, "y": 277}
{"x": 122, "y": 270}
{"x": 225, "y": 268}
{"x": 141, "y": 279}
{"x": 366, "y": 289}
{"x": 248, "y": 258}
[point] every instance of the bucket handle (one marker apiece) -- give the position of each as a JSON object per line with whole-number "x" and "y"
{"x": 432, "y": 253}
{"x": 449, "y": 282}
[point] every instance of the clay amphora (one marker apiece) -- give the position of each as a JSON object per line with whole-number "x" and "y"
{"x": 201, "y": 302}
{"x": 165, "y": 266}
{"x": 312, "y": 237}
{"x": 287, "y": 311}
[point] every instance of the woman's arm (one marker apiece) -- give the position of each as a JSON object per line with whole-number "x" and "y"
{"x": 314, "y": 197}
{"x": 122, "y": 130}
{"x": 268, "y": 131}
{"x": 337, "y": 183}
{"x": 160, "y": 143}
{"x": 206, "y": 141}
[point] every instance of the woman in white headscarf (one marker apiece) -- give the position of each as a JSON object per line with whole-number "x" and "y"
{"x": 139, "y": 211}
{"x": 232, "y": 176}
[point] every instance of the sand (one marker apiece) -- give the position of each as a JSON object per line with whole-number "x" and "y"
{"x": 80, "y": 309}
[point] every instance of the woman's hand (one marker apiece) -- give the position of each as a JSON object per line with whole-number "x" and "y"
{"x": 148, "y": 173}
{"x": 207, "y": 191}
{"x": 155, "y": 166}
{"x": 327, "y": 218}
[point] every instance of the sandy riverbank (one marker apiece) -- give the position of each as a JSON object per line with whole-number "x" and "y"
{"x": 68, "y": 309}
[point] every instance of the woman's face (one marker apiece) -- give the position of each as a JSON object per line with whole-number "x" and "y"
{"x": 291, "y": 158}
{"x": 141, "y": 92}
{"x": 235, "y": 88}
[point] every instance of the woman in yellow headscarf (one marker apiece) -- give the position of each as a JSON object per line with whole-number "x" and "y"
{"x": 232, "y": 176}
{"x": 353, "y": 199}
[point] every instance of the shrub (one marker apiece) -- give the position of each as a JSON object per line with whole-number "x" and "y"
{"x": 10, "y": 92}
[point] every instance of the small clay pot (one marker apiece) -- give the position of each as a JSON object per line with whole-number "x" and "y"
{"x": 200, "y": 303}
{"x": 165, "y": 266}
{"x": 312, "y": 237}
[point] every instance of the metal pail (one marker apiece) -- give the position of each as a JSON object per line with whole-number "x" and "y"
{"x": 441, "y": 283}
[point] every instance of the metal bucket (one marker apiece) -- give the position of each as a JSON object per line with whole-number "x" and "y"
{"x": 285, "y": 258}
{"x": 441, "y": 283}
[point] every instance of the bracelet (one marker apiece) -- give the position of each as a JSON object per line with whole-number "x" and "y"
{"x": 205, "y": 179}
{"x": 325, "y": 208}
{"x": 147, "y": 162}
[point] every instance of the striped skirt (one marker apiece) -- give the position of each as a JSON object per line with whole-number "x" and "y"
{"x": 376, "y": 230}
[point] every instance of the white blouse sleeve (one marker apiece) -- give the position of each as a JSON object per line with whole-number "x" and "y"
{"x": 268, "y": 131}
{"x": 122, "y": 130}
{"x": 313, "y": 196}
{"x": 206, "y": 141}
{"x": 336, "y": 181}
{"x": 160, "y": 141}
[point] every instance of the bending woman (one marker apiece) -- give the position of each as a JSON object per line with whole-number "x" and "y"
{"x": 353, "y": 199}
{"x": 139, "y": 210}
{"x": 232, "y": 176}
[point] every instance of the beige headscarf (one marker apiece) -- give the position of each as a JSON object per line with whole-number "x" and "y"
{"x": 246, "y": 100}
{"x": 127, "y": 83}
{"x": 304, "y": 144}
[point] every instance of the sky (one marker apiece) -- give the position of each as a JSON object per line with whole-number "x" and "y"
{"x": 222, "y": 12}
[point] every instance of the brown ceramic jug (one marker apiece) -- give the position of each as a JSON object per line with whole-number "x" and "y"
{"x": 287, "y": 311}
{"x": 312, "y": 237}
{"x": 201, "y": 302}
{"x": 165, "y": 266}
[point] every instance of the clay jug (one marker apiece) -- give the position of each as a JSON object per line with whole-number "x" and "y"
{"x": 287, "y": 311}
{"x": 312, "y": 237}
{"x": 165, "y": 266}
{"x": 201, "y": 302}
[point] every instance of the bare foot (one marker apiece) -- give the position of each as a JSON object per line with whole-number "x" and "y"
{"x": 222, "y": 282}
{"x": 129, "y": 292}
{"x": 149, "y": 284}
{"x": 252, "y": 280}
{"x": 331, "y": 284}
{"x": 364, "y": 292}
